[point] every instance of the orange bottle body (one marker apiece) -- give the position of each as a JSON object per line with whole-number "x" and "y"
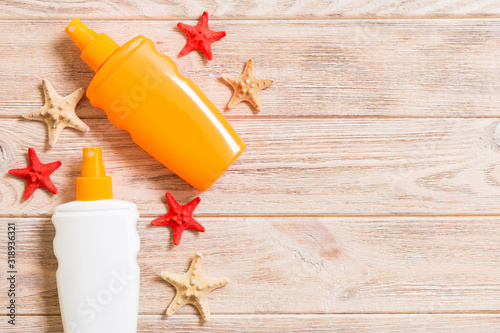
{"x": 166, "y": 114}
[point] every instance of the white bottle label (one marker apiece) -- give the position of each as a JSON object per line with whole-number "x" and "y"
{"x": 98, "y": 276}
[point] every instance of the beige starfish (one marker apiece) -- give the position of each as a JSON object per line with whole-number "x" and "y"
{"x": 58, "y": 112}
{"x": 246, "y": 87}
{"x": 192, "y": 288}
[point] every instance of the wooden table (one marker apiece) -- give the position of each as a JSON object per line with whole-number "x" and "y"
{"x": 368, "y": 199}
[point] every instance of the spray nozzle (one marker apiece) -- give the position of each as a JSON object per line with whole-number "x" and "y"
{"x": 96, "y": 48}
{"x": 92, "y": 162}
{"x": 80, "y": 34}
{"x": 93, "y": 184}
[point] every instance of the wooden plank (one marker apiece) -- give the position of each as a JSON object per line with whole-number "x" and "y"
{"x": 279, "y": 9}
{"x": 291, "y": 167}
{"x": 396, "y": 68}
{"x": 297, "y": 265}
{"x": 412, "y": 323}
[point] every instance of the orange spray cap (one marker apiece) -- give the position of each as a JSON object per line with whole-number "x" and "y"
{"x": 96, "y": 48}
{"x": 93, "y": 184}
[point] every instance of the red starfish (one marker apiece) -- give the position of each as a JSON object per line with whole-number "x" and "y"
{"x": 179, "y": 217}
{"x": 200, "y": 37}
{"x": 36, "y": 174}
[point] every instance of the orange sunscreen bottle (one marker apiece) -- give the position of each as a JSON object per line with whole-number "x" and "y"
{"x": 166, "y": 114}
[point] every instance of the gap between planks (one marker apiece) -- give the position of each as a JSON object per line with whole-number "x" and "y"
{"x": 255, "y": 18}
{"x": 299, "y": 314}
{"x": 313, "y": 117}
{"x": 296, "y": 323}
{"x": 231, "y": 9}
{"x": 278, "y": 216}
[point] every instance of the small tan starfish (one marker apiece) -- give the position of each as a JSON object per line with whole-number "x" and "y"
{"x": 58, "y": 112}
{"x": 246, "y": 87}
{"x": 192, "y": 288}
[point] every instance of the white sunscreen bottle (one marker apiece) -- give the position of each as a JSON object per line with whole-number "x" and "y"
{"x": 96, "y": 246}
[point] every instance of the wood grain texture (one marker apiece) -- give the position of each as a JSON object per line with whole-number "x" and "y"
{"x": 380, "y": 109}
{"x": 411, "y": 323}
{"x": 396, "y": 68}
{"x": 291, "y": 167}
{"x": 297, "y": 265}
{"x": 155, "y": 9}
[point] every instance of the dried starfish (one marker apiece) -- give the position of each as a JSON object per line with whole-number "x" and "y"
{"x": 58, "y": 112}
{"x": 200, "y": 37}
{"x": 179, "y": 217}
{"x": 36, "y": 174}
{"x": 246, "y": 87}
{"x": 192, "y": 288}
